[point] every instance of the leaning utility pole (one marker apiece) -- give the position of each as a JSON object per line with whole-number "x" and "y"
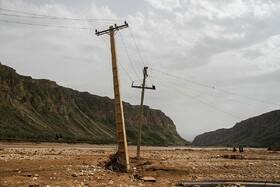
{"x": 141, "y": 109}
{"x": 121, "y": 133}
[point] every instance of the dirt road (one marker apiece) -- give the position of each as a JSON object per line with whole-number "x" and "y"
{"x": 53, "y": 164}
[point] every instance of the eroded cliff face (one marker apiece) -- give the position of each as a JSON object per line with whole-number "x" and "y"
{"x": 259, "y": 131}
{"x": 41, "y": 109}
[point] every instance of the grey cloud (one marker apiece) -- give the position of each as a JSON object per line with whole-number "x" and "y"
{"x": 204, "y": 41}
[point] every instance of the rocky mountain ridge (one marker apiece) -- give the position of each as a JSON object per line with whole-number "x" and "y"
{"x": 259, "y": 131}
{"x": 41, "y": 109}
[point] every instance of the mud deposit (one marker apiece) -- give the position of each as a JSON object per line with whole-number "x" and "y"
{"x": 53, "y": 164}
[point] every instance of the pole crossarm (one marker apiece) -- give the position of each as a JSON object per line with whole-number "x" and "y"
{"x": 115, "y": 28}
{"x": 145, "y": 87}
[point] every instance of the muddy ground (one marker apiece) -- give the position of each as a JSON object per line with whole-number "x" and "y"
{"x": 54, "y": 164}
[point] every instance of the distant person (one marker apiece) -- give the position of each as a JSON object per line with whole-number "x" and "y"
{"x": 234, "y": 149}
{"x": 241, "y": 149}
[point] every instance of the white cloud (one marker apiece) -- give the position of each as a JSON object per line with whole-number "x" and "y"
{"x": 167, "y": 5}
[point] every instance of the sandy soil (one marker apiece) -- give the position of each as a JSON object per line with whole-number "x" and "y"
{"x": 53, "y": 164}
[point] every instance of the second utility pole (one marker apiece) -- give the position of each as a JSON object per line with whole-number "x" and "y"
{"x": 141, "y": 109}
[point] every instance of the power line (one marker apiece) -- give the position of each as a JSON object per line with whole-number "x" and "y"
{"x": 128, "y": 56}
{"x": 41, "y": 16}
{"x": 54, "y": 18}
{"x": 244, "y": 96}
{"x": 24, "y": 12}
{"x": 119, "y": 61}
{"x": 197, "y": 83}
{"x": 204, "y": 92}
{"x": 137, "y": 47}
{"x": 212, "y": 87}
{"x": 105, "y": 42}
{"x": 180, "y": 85}
{"x": 139, "y": 53}
{"x": 208, "y": 104}
{"x": 43, "y": 25}
{"x": 62, "y": 27}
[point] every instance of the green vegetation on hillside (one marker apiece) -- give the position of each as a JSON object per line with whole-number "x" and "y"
{"x": 40, "y": 109}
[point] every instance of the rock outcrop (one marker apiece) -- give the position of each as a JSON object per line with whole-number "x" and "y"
{"x": 41, "y": 109}
{"x": 260, "y": 131}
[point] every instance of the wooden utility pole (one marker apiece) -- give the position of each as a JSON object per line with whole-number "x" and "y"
{"x": 141, "y": 109}
{"x": 121, "y": 133}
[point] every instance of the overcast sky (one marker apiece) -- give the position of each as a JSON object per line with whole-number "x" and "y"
{"x": 214, "y": 62}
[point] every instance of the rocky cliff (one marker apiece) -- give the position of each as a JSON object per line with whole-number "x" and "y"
{"x": 41, "y": 109}
{"x": 260, "y": 131}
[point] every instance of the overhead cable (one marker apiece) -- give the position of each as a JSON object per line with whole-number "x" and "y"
{"x": 41, "y": 16}
{"x": 129, "y": 59}
{"x": 197, "y": 83}
{"x": 137, "y": 47}
{"x": 212, "y": 87}
{"x": 139, "y": 52}
{"x": 204, "y": 92}
{"x": 208, "y": 104}
{"x": 118, "y": 60}
{"x": 44, "y": 25}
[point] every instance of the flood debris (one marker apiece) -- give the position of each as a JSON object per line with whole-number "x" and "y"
{"x": 274, "y": 148}
{"x": 74, "y": 175}
{"x": 232, "y": 156}
{"x": 148, "y": 179}
{"x": 145, "y": 178}
{"x": 144, "y": 164}
{"x": 228, "y": 183}
{"x": 116, "y": 163}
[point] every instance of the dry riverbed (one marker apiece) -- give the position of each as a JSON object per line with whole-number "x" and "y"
{"x": 54, "y": 164}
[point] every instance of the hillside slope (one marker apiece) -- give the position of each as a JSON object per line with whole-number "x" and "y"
{"x": 40, "y": 109}
{"x": 260, "y": 131}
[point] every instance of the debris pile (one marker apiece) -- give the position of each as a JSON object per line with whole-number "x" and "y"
{"x": 116, "y": 163}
